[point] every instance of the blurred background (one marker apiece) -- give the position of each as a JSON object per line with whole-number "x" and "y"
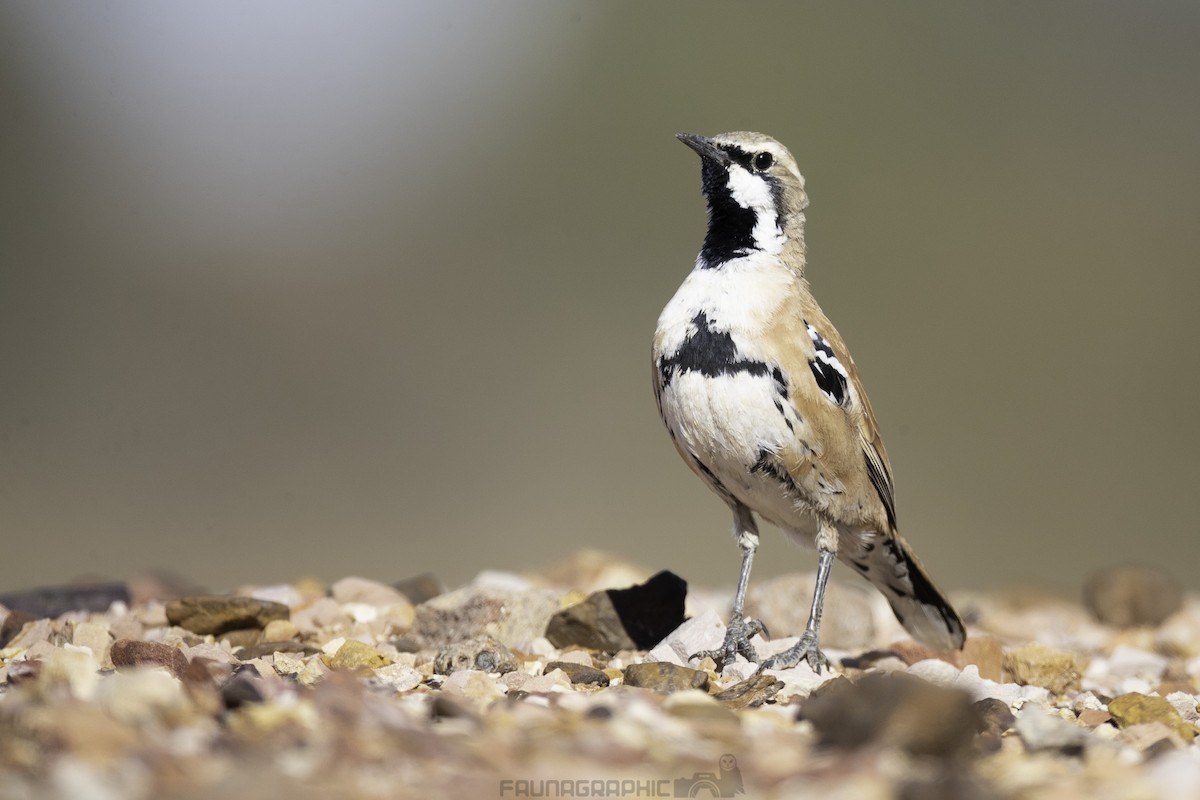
{"x": 295, "y": 289}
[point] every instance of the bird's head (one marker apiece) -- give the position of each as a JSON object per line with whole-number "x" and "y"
{"x": 755, "y": 193}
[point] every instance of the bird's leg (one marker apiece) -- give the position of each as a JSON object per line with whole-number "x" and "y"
{"x": 807, "y": 649}
{"x": 740, "y": 630}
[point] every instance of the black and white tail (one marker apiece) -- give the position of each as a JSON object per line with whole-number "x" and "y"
{"x": 892, "y": 567}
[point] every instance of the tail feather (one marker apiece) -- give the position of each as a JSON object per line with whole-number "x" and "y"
{"x": 892, "y": 567}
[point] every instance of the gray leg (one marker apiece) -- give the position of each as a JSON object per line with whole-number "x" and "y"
{"x": 807, "y": 648}
{"x": 740, "y": 630}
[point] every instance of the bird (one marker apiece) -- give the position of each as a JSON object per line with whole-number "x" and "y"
{"x": 763, "y": 401}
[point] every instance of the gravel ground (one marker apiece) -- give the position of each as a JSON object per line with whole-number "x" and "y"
{"x": 574, "y": 680}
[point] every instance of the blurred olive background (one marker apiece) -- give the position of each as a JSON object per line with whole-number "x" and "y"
{"x": 326, "y": 289}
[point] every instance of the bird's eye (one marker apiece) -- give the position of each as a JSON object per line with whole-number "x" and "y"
{"x": 763, "y": 160}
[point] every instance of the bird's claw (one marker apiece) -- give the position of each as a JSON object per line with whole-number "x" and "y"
{"x": 737, "y": 642}
{"x": 804, "y": 650}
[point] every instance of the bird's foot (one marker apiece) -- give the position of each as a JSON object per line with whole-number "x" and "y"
{"x": 737, "y": 641}
{"x": 804, "y": 650}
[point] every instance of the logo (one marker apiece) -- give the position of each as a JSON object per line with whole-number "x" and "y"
{"x": 708, "y": 784}
{"x": 727, "y": 782}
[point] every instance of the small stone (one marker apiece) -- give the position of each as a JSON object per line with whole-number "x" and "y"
{"x": 664, "y": 677}
{"x": 420, "y": 588}
{"x": 982, "y": 651}
{"x": 702, "y": 632}
{"x": 579, "y": 673}
{"x": 472, "y": 684}
{"x": 636, "y": 618}
{"x": 693, "y": 704}
{"x": 218, "y": 614}
{"x": 289, "y": 663}
{"x": 73, "y": 666}
{"x": 280, "y": 630}
{"x": 354, "y": 654}
{"x": 1185, "y": 704}
{"x": 651, "y": 610}
{"x": 1136, "y": 709}
{"x": 1131, "y": 595}
{"x": 750, "y": 693}
{"x": 1041, "y": 730}
{"x": 515, "y": 619}
{"x": 398, "y": 677}
{"x": 314, "y": 672}
{"x": 141, "y": 697}
{"x": 242, "y": 637}
{"x": 994, "y": 716}
{"x": 126, "y": 653}
{"x": 593, "y": 623}
{"x": 30, "y": 634}
{"x": 272, "y": 648}
{"x": 896, "y": 710}
{"x": 54, "y": 601}
{"x": 1038, "y": 665}
{"x": 1093, "y": 717}
{"x": 1150, "y": 736}
{"x": 482, "y": 653}
{"x": 363, "y": 590}
{"x": 590, "y": 571}
{"x": 14, "y": 622}
{"x": 244, "y": 686}
{"x": 553, "y": 681}
{"x": 95, "y": 637}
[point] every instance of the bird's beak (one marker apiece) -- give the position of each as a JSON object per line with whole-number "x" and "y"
{"x": 705, "y": 147}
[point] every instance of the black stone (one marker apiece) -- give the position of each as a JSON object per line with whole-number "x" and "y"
{"x": 651, "y": 610}
{"x": 53, "y": 601}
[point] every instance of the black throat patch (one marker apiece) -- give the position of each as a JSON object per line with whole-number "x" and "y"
{"x": 730, "y": 227}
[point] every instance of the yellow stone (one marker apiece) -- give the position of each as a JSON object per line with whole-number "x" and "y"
{"x": 354, "y": 654}
{"x": 1136, "y": 709}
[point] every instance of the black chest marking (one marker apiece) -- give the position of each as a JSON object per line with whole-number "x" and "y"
{"x": 710, "y": 352}
{"x": 830, "y": 374}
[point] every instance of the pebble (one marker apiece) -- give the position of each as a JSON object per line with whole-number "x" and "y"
{"x": 893, "y": 710}
{"x": 353, "y": 654}
{"x": 750, "y": 693}
{"x": 651, "y": 610}
{"x": 477, "y": 653}
{"x": 638, "y": 617}
{"x": 363, "y": 590}
{"x": 592, "y": 623}
{"x": 126, "y": 654}
{"x": 400, "y": 729}
{"x": 1135, "y": 709}
{"x": 703, "y": 632}
{"x": 218, "y": 614}
{"x": 1150, "y": 736}
{"x": 995, "y": 716}
{"x": 420, "y": 588}
{"x": 580, "y": 674}
{"x": 1035, "y": 664}
{"x": 664, "y": 677}
{"x": 1130, "y": 595}
{"x": 54, "y": 601}
{"x": 515, "y": 619}
{"x": 95, "y": 637}
{"x": 470, "y": 684}
{"x": 398, "y": 677}
{"x": 981, "y": 650}
{"x": 280, "y": 630}
{"x": 1041, "y": 730}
